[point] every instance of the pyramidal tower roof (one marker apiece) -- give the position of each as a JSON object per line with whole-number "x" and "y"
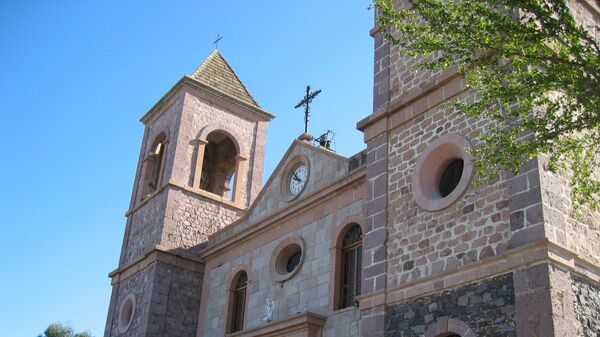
{"x": 216, "y": 73}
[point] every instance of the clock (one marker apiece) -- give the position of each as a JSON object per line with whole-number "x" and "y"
{"x": 298, "y": 179}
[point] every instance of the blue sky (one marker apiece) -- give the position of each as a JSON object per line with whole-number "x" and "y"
{"x": 76, "y": 76}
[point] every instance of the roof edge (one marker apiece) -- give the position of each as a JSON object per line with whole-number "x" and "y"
{"x": 259, "y": 112}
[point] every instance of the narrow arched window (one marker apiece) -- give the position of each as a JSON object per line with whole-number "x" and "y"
{"x": 239, "y": 303}
{"x": 219, "y": 164}
{"x": 153, "y": 166}
{"x": 351, "y": 266}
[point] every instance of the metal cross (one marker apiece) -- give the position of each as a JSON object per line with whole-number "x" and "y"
{"x": 216, "y": 43}
{"x": 306, "y": 103}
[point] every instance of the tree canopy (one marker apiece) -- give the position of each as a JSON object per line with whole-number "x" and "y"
{"x": 535, "y": 68}
{"x": 59, "y": 330}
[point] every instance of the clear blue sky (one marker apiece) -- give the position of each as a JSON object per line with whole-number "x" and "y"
{"x": 75, "y": 78}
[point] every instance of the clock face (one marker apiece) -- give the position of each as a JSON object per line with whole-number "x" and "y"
{"x": 298, "y": 179}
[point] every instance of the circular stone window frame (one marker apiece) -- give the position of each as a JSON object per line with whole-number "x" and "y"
{"x": 430, "y": 166}
{"x": 129, "y": 299}
{"x": 280, "y": 256}
{"x": 287, "y": 176}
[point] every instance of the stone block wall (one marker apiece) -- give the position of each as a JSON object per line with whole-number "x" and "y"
{"x": 307, "y": 291}
{"x": 344, "y": 323}
{"x": 167, "y": 123}
{"x": 175, "y": 302}
{"x": 587, "y": 305}
{"x": 477, "y": 226}
{"x": 485, "y": 308}
{"x": 375, "y": 262}
{"x": 144, "y": 227}
{"x": 190, "y": 219}
{"x": 139, "y": 286}
{"x": 167, "y": 299}
{"x": 582, "y": 236}
{"x": 310, "y": 290}
{"x": 200, "y": 117}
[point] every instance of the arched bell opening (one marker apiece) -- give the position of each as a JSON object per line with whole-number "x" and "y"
{"x": 219, "y": 165}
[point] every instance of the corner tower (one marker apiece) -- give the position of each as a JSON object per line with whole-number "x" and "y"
{"x": 200, "y": 168}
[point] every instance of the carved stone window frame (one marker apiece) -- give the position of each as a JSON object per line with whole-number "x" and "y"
{"x": 282, "y": 252}
{"x": 430, "y": 166}
{"x": 127, "y": 309}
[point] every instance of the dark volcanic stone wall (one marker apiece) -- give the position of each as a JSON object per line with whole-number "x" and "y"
{"x": 587, "y": 306}
{"x": 486, "y": 306}
{"x": 175, "y": 302}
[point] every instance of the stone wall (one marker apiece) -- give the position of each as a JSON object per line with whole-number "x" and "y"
{"x": 345, "y": 323}
{"x": 477, "y": 226}
{"x": 312, "y": 289}
{"x": 307, "y": 291}
{"x": 139, "y": 286}
{"x": 167, "y": 299}
{"x": 486, "y": 307}
{"x": 200, "y": 117}
{"x": 190, "y": 219}
{"x": 175, "y": 302}
{"x": 485, "y": 221}
{"x": 325, "y": 169}
{"x": 579, "y": 235}
{"x": 587, "y": 305}
{"x": 145, "y": 227}
{"x": 167, "y": 123}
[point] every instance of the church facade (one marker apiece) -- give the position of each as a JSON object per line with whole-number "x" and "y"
{"x": 393, "y": 241}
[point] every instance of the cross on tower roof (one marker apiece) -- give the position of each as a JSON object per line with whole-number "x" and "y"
{"x": 216, "y": 43}
{"x": 306, "y": 103}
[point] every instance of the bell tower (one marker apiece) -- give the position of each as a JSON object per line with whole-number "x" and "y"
{"x": 200, "y": 168}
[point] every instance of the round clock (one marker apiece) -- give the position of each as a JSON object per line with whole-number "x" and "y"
{"x": 298, "y": 179}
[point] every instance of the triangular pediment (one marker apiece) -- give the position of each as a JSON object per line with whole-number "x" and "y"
{"x": 324, "y": 168}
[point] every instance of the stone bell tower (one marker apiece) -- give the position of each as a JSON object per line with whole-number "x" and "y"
{"x": 200, "y": 168}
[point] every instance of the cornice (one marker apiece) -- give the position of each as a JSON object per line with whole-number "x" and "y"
{"x": 316, "y": 198}
{"x": 260, "y": 114}
{"x": 543, "y": 251}
{"x": 155, "y": 254}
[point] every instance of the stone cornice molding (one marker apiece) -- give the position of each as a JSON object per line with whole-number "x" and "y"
{"x": 196, "y": 191}
{"x": 258, "y": 113}
{"x": 331, "y": 191}
{"x": 305, "y": 324}
{"x": 155, "y": 254}
{"x": 416, "y": 100}
{"x": 543, "y": 251}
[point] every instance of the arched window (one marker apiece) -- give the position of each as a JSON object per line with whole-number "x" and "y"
{"x": 351, "y": 278}
{"x": 219, "y": 163}
{"x": 153, "y": 166}
{"x": 239, "y": 303}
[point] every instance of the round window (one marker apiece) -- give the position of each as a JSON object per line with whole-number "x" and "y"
{"x": 126, "y": 313}
{"x": 442, "y": 173}
{"x": 293, "y": 261}
{"x": 287, "y": 259}
{"x": 451, "y": 177}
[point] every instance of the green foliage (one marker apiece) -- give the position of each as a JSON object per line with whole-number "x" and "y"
{"x": 59, "y": 330}
{"x": 536, "y": 71}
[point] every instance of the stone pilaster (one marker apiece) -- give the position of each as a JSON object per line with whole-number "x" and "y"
{"x": 375, "y": 236}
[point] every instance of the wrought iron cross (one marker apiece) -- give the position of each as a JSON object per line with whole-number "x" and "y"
{"x": 306, "y": 103}
{"x": 216, "y": 43}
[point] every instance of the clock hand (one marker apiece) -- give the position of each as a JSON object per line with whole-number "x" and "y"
{"x": 296, "y": 177}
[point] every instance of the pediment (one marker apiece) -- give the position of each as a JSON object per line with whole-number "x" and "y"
{"x": 324, "y": 168}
